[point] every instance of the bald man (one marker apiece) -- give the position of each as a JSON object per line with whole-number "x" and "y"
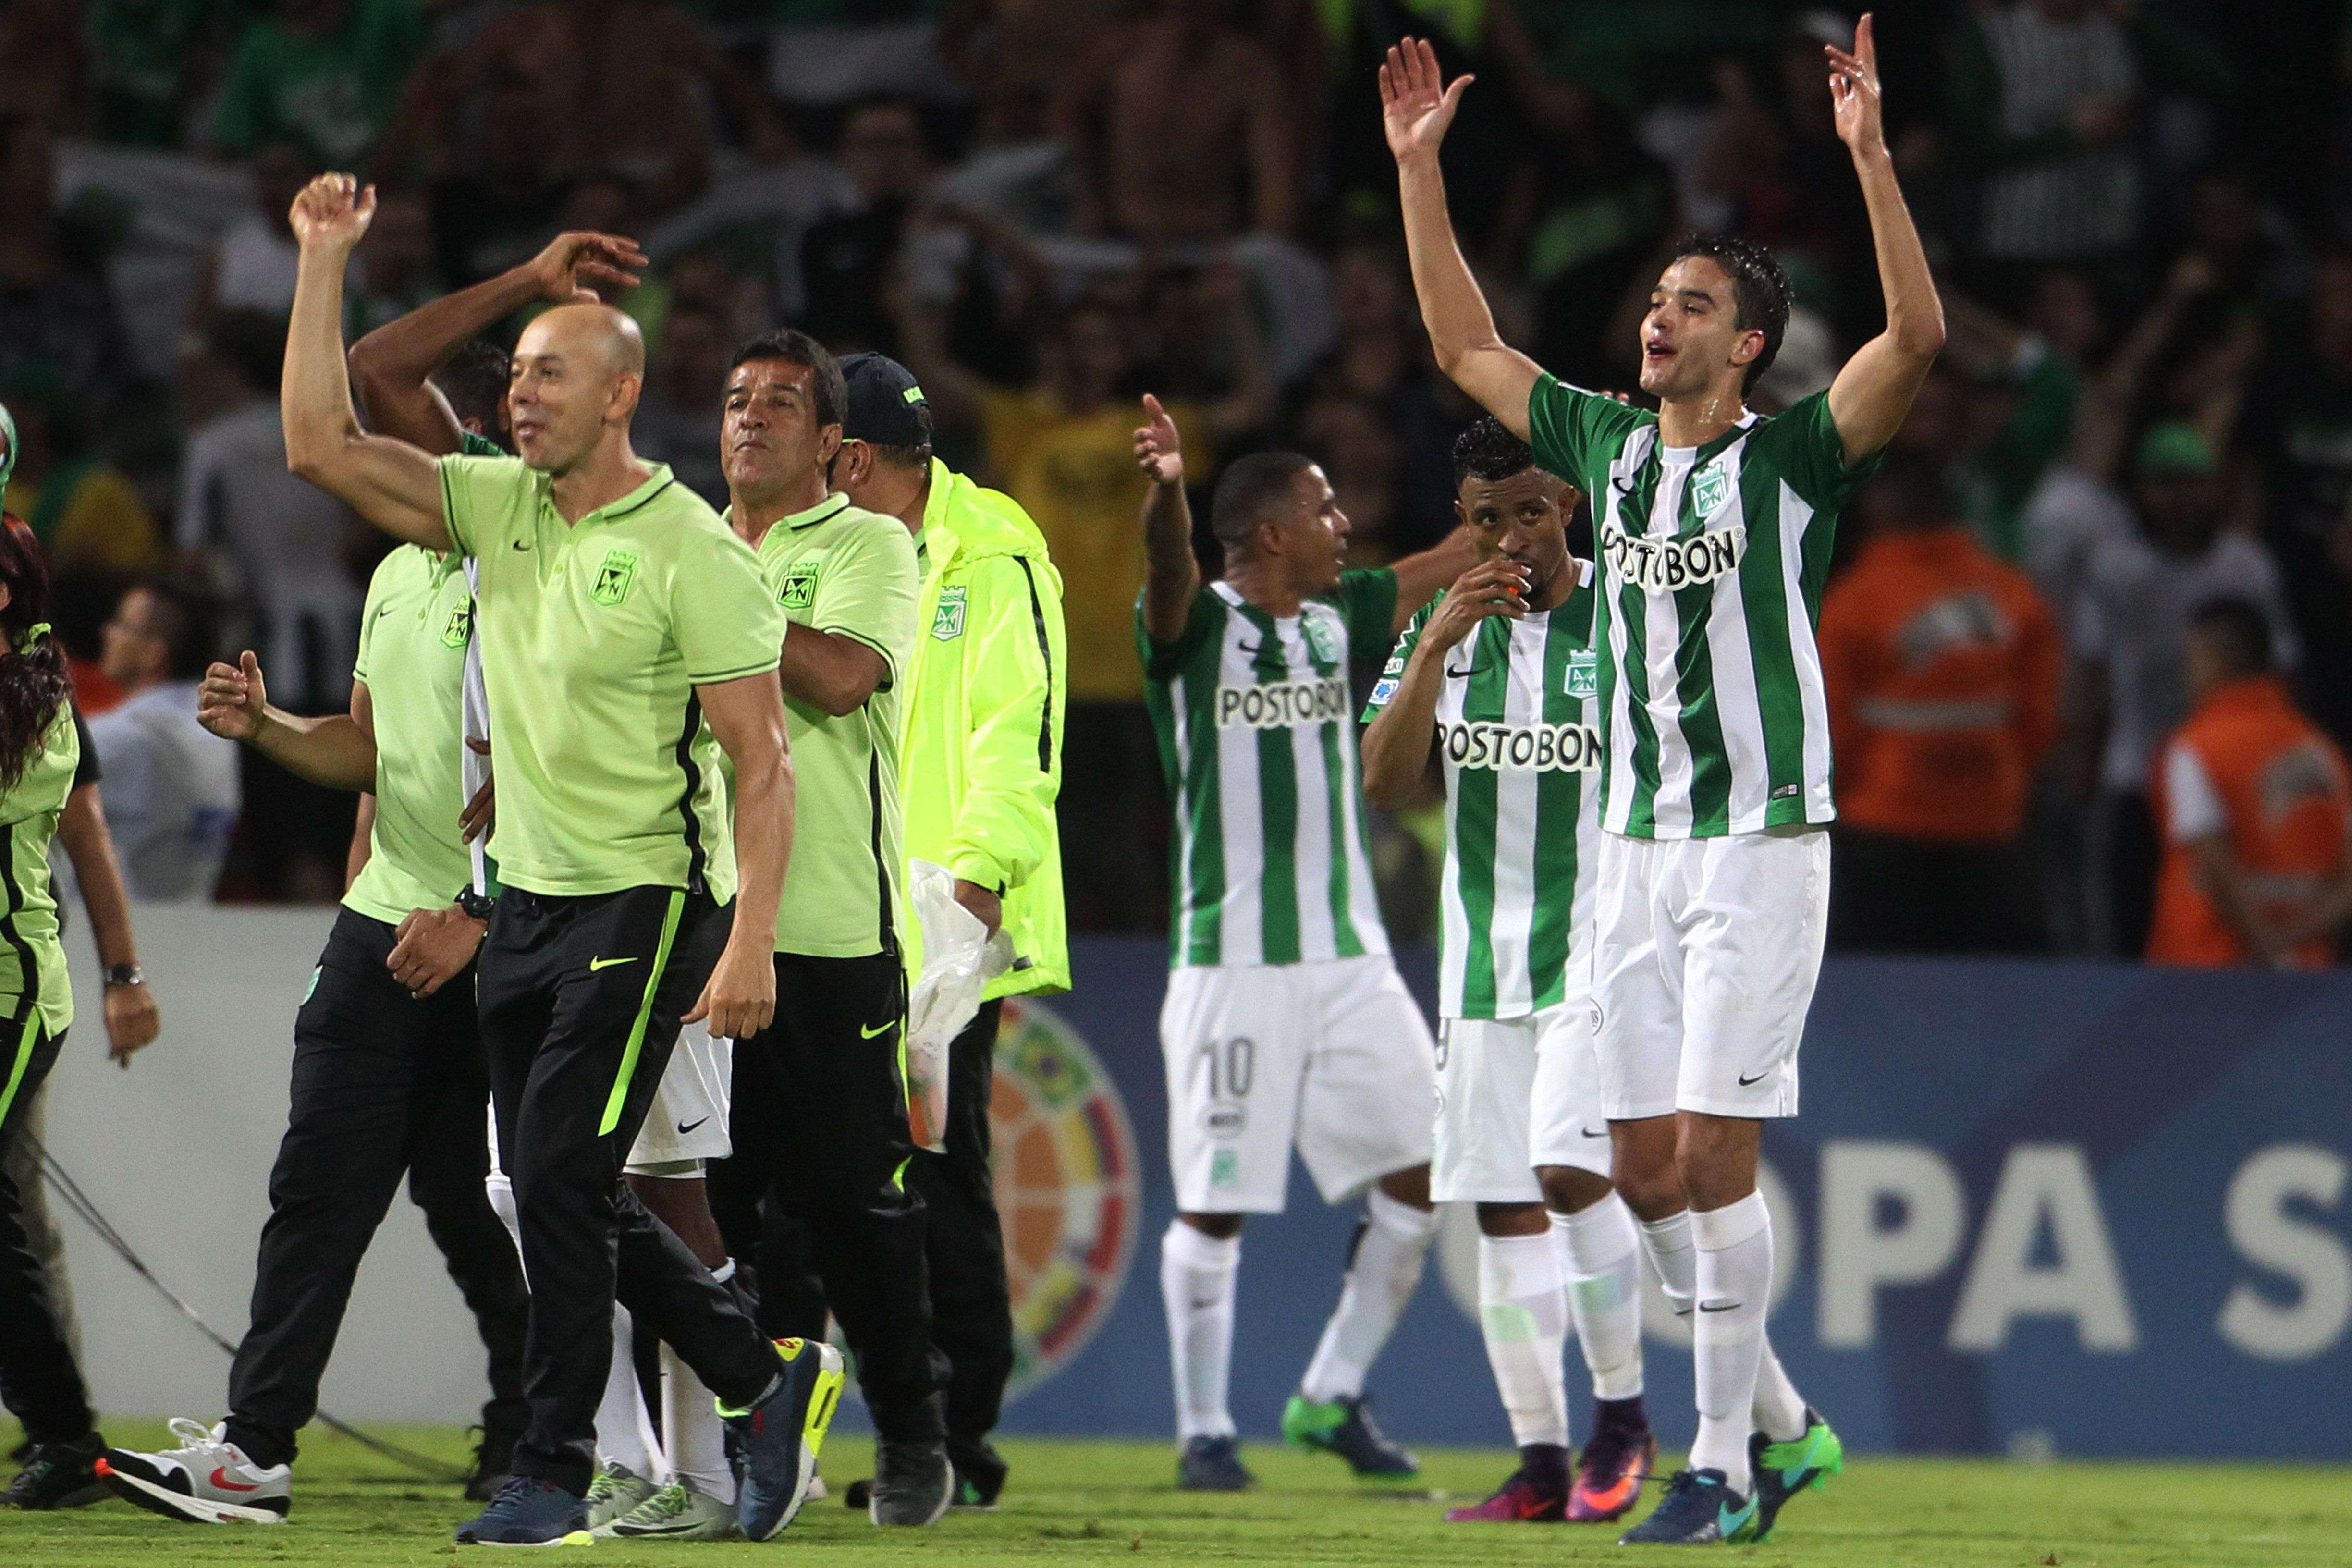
{"x": 628, "y": 641}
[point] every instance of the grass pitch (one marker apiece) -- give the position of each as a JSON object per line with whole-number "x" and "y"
{"x": 1084, "y": 1503}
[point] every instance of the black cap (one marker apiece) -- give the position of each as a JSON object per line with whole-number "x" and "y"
{"x": 883, "y": 401}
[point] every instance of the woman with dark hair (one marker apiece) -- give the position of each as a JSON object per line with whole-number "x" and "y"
{"x": 38, "y": 750}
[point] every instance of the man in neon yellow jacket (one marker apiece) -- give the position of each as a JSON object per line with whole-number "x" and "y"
{"x": 980, "y": 766}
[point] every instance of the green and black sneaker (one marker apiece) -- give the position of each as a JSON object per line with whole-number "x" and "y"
{"x": 59, "y": 1475}
{"x": 1784, "y": 1469}
{"x": 1345, "y": 1426}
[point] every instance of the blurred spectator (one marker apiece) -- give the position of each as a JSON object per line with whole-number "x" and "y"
{"x": 2139, "y": 592}
{"x": 2045, "y": 99}
{"x": 395, "y": 272}
{"x": 324, "y": 75}
{"x": 85, "y": 514}
{"x": 2002, "y": 427}
{"x": 1382, "y": 358}
{"x": 621, "y": 90}
{"x": 251, "y": 266}
{"x": 172, "y": 792}
{"x": 47, "y": 55}
{"x": 282, "y": 540}
{"x": 845, "y": 260}
{"x": 148, "y": 60}
{"x": 1177, "y": 126}
{"x": 677, "y": 414}
{"x": 57, "y": 309}
{"x": 1014, "y": 57}
{"x": 1358, "y": 453}
{"x": 2254, "y": 804}
{"x": 1942, "y": 666}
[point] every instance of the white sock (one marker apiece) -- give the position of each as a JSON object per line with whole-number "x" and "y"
{"x": 1735, "y": 1287}
{"x": 691, "y": 1428}
{"x": 625, "y": 1432}
{"x": 1390, "y": 1246}
{"x": 500, "y": 1186}
{"x": 1523, "y": 1316}
{"x": 1603, "y": 1257}
{"x": 1196, "y": 1285}
{"x": 1673, "y": 1258}
{"x": 1779, "y": 1408}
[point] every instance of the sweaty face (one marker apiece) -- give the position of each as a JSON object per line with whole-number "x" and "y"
{"x": 1314, "y": 534}
{"x": 1691, "y": 335}
{"x": 768, "y": 436}
{"x": 1524, "y": 518}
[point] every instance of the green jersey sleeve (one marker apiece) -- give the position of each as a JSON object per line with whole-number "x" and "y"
{"x": 472, "y": 445}
{"x": 726, "y": 623}
{"x": 868, "y": 592}
{"x": 481, "y": 498}
{"x": 1803, "y": 445}
{"x": 1571, "y": 429}
{"x": 1162, "y": 663}
{"x": 1368, "y": 605}
{"x": 1393, "y": 670}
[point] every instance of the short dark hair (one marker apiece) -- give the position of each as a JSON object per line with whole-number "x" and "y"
{"x": 1250, "y": 487}
{"x": 1488, "y": 451}
{"x": 2241, "y": 633}
{"x": 795, "y": 347}
{"x": 184, "y": 624}
{"x": 1759, "y": 289}
{"x": 474, "y": 380}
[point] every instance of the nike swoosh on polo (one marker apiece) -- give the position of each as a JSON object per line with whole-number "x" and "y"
{"x": 1747, "y": 1082}
{"x": 519, "y": 544}
{"x": 686, "y": 1127}
{"x": 882, "y": 1028}
{"x": 1596, "y": 1132}
{"x": 1724, "y": 1307}
{"x": 597, "y": 963}
{"x": 220, "y": 1479}
{"x": 1729, "y": 1523}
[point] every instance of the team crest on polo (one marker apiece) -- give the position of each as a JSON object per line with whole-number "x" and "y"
{"x": 1583, "y": 673}
{"x": 460, "y": 626}
{"x": 1065, "y": 1185}
{"x": 947, "y": 621}
{"x": 1710, "y": 487}
{"x": 613, "y": 578}
{"x": 798, "y": 589}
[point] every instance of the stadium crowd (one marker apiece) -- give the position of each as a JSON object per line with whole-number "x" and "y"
{"x": 2098, "y": 602}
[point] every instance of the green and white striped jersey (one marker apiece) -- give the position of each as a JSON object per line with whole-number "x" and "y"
{"x": 1257, "y": 739}
{"x": 1522, "y": 764}
{"x": 1712, "y": 561}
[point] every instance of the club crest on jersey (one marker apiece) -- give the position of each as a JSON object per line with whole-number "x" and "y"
{"x": 1320, "y": 640}
{"x": 460, "y": 626}
{"x": 1279, "y": 705}
{"x": 613, "y": 578}
{"x": 1521, "y": 748}
{"x": 1583, "y": 673}
{"x": 947, "y": 621}
{"x": 798, "y": 589}
{"x": 1663, "y": 565}
{"x": 1710, "y": 487}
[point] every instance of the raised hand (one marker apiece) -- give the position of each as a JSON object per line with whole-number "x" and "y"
{"x": 1854, "y": 96}
{"x": 333, "y": 211}
{"x": 575, "y": 266}
{"x": 1416, "y": 103}
{"x": 230, "y": 697}
{"x": 1494, "y": 587}
{"x": 1156, "y": 449}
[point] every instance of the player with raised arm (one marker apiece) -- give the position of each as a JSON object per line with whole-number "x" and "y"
{"x": 1285, "y": 1024}
{"x": 627, "y": 642}
{"x": 1713, "y": 526}
{"x": 1499, "y": 673}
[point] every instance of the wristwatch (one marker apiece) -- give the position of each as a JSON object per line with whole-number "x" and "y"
{"x": 125, "y": 974}
{"x": 477, "y": 906}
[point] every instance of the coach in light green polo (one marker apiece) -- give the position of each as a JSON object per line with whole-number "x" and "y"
{"x": 820, "y": 1099}
{"x": 627, "y": 640}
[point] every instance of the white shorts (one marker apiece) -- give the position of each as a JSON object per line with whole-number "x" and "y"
{"x": 1332, "y": 1058}
{"x": 1514, "y": 1094}
{"x": 1706, "y": 954}
{"x": 688, "y": 1118}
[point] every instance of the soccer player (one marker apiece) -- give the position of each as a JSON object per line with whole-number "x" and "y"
{"x": 980, "y": 768}
{"x": 403, "y": 372}
{"x": 628, "y": 643}
{"x": 1500, "y": 673}
{"x": 821, "y": 1107}
{"x": 389, "y": 1076}
{"x": 1286, "y": 1024}
{"x": 1713, "y": 526}
{"x": 39, "y": 747}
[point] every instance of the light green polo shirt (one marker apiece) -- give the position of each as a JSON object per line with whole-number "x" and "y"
{"x": 595, "y": 635}
{"x": 412, "y": 638}
{"x": 851, "y": 573}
